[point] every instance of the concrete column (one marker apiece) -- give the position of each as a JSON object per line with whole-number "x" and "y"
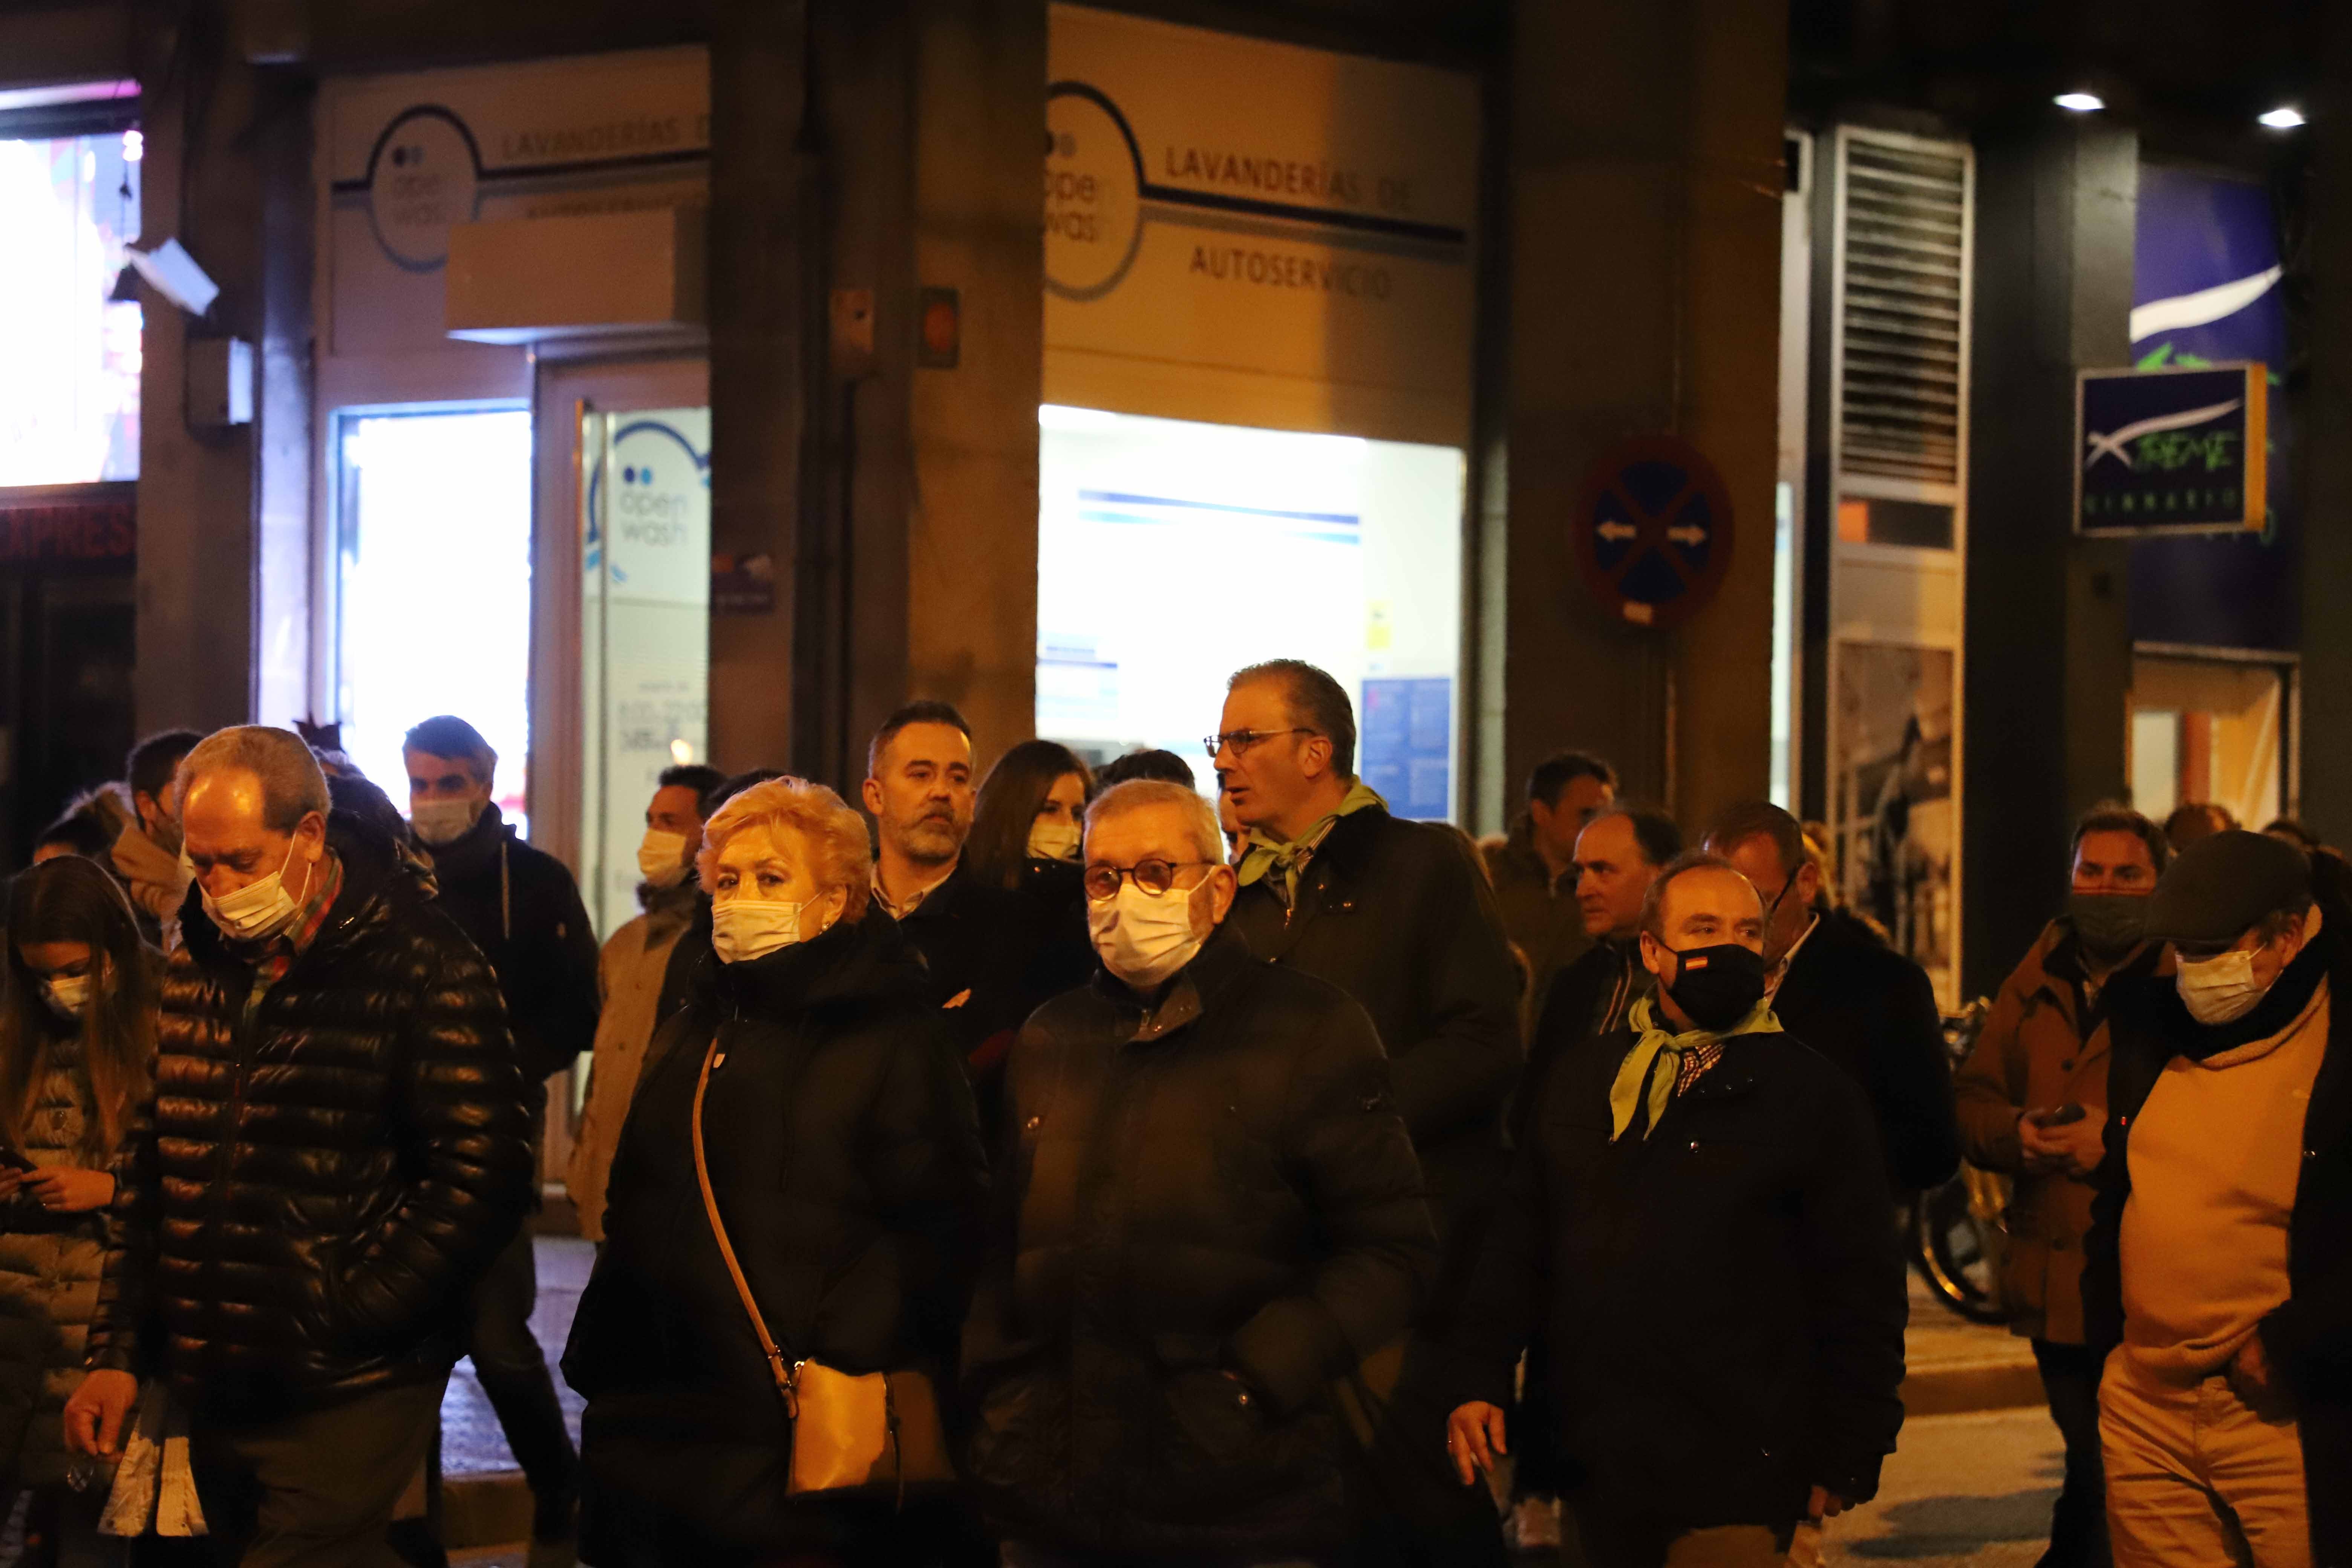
{"x": 204, "y": 184}
{"x": 2326, "y": 673}
{"x": 759, "y": 347}
{"x": 2049, "y": 647}
{"x": 972, "y": 518}
{"x": 1645, "y": 232}
{"x": 903, "y": 497}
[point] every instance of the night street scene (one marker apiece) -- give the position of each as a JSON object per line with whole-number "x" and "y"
{"x": 1541, "y": 784}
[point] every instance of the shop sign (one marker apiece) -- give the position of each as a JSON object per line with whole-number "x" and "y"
{"x": 406, "y": 158}
{"x": 2170, "y": 450}
{"x": 1254, "y": 233}
{"x": 70, "y": 527}
{"x": 1653, "y": 532}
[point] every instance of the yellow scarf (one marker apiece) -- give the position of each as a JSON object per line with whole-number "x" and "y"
{"x": 1654, "y": 1043}
{"x": 1266, "y": 853}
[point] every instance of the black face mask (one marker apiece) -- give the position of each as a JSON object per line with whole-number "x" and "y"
{"x": 2108, "y": 925}
{"x": 1718, "y": 986}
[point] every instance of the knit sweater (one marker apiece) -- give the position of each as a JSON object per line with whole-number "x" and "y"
{"x": 2215, "y": 1158}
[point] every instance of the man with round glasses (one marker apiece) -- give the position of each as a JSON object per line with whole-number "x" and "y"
{"x": 1214, "y": 1213}
{"x": 1398, "y": 914}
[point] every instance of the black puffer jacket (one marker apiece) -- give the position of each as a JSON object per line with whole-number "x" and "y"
{"x": 1399, "y": 915}
{"x": 847, "y": 1165}
{"x": 299, "y": 1212}
{"x": 523, "y": 911}
{"x": 1222, "y": 1183}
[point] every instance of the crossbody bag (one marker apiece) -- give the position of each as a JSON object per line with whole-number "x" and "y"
{"x": 877, "y": 1431}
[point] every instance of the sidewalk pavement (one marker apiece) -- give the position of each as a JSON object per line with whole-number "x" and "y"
{"x": 1955, "y": 1367}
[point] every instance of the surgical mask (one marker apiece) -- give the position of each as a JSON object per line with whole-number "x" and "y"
{"x": 661, "y": 858}
{"x": 2108, "y": 925}
{"x": 1718, "y": 986}
{"x": 744, "y": 928}
{"x": 1054, "y": 840}
{"x": 259, "y": 909}
{"x": 1143, "y": 938}
{"x": 439, "y": 822}
{"x": 68, "y": 995}
{"x": 2221, "y": 989}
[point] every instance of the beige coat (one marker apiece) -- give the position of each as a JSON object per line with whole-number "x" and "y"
{"x": 49, "y": 1283}
{"x": 629, "y": 975}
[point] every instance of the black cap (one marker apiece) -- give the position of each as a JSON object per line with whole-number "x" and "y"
{"x": 2224, "y": 883}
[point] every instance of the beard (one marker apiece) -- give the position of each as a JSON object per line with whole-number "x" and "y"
{"x": 930, "y": 838}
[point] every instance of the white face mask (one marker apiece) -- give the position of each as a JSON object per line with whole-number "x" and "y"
{"x": 259, "y": 909}
{"x": 439, "y": 822}
{"x": 1054, "y": 840}
{"x": 68, "y": 995}
{"x": 2221, "y": 989}
{"x": 744, "y": 928}
{"x": 1143, "y": 938}
{"x": 661, "y": 858}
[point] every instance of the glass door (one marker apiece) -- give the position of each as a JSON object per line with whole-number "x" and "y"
{"x": 621, "y": 627}
{"x": 644, "y": 631}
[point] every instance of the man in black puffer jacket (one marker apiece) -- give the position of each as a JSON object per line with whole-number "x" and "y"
{"x": 1210, "y": 1210}
{"x": 338, "y": 1146}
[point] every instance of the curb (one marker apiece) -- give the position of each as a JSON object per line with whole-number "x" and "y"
{"x": 493, "y": 1509}
{"x": 1953, "y": 1388}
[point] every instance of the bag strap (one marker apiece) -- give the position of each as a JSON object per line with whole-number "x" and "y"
{"x": 787, "y": 1377}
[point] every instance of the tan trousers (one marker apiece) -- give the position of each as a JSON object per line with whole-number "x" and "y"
{"x": 2196, "y": 1479}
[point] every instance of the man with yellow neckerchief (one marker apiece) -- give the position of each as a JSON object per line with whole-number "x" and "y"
{"x": 1696, "y": 1223}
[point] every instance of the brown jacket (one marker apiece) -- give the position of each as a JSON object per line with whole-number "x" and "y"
{"x": 1539, "y": 916}
{"x": 2034, "y": 1054}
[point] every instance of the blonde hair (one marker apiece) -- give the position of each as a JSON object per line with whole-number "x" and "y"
{"x": 832, "y": 835}
{"x": 1134, "y": 794}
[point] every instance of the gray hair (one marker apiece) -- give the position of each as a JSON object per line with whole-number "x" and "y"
{"x": 1200, "y": 816}
{"x": 292, "y": 787}
{"x": 1316, "y": 700}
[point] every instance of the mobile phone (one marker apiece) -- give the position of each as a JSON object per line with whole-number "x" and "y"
{"x": 2061, "y": 1116}
{"x": 13, "y": 1159}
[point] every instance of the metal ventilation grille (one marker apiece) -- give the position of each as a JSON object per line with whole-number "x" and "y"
{"x": 1904, "y": 317}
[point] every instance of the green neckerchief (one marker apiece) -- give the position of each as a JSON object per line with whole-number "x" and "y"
{"x": 1652, "y": 1042}
{"x": 1266, "y": 853}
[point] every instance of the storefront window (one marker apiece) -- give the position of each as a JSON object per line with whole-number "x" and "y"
{"x": 1171, "y": 554}
{"x": 69, "y": 401}
{"x": 434, "y": 593}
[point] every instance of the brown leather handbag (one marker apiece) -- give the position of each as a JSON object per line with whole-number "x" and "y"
{"x": 877, "y": 1431}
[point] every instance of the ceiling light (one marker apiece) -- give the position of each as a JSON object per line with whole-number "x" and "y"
{"x": 2282, "y": 118}
{"x": 2081, "y": 102}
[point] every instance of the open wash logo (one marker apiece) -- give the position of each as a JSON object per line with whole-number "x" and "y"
{"x": 1094, "y": 192}
{"x": 424, "y": 175}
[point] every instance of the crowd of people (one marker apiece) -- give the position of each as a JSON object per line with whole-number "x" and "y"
{"x": 1058, "y": 1169}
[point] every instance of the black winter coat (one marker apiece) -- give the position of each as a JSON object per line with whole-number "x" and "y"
{"x": 1219, "y": 1184}
{"x": 523, "y": 911}
{"x": 848, "y": 1168}
{"x": 1724, "y": 1301}
{"x": 2309, "y": 1339}
{"x": 975, "y": 939}
{"x": 1873, "y": 1012}
{"x": 1588, "y": 1002}
{"x": 303, "y": 1207}
{"x": 1399, "y": 915}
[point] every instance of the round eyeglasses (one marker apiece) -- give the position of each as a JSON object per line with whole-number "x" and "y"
{"x": 1154, "y": 876}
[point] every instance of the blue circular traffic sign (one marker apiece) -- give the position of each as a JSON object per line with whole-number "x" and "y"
{"x": 1652, "y": 531}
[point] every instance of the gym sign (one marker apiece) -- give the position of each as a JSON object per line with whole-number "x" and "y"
{"x": 2175, "y": 450}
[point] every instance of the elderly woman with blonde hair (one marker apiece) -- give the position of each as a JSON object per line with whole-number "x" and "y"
{"x": 786, "y": 1228}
